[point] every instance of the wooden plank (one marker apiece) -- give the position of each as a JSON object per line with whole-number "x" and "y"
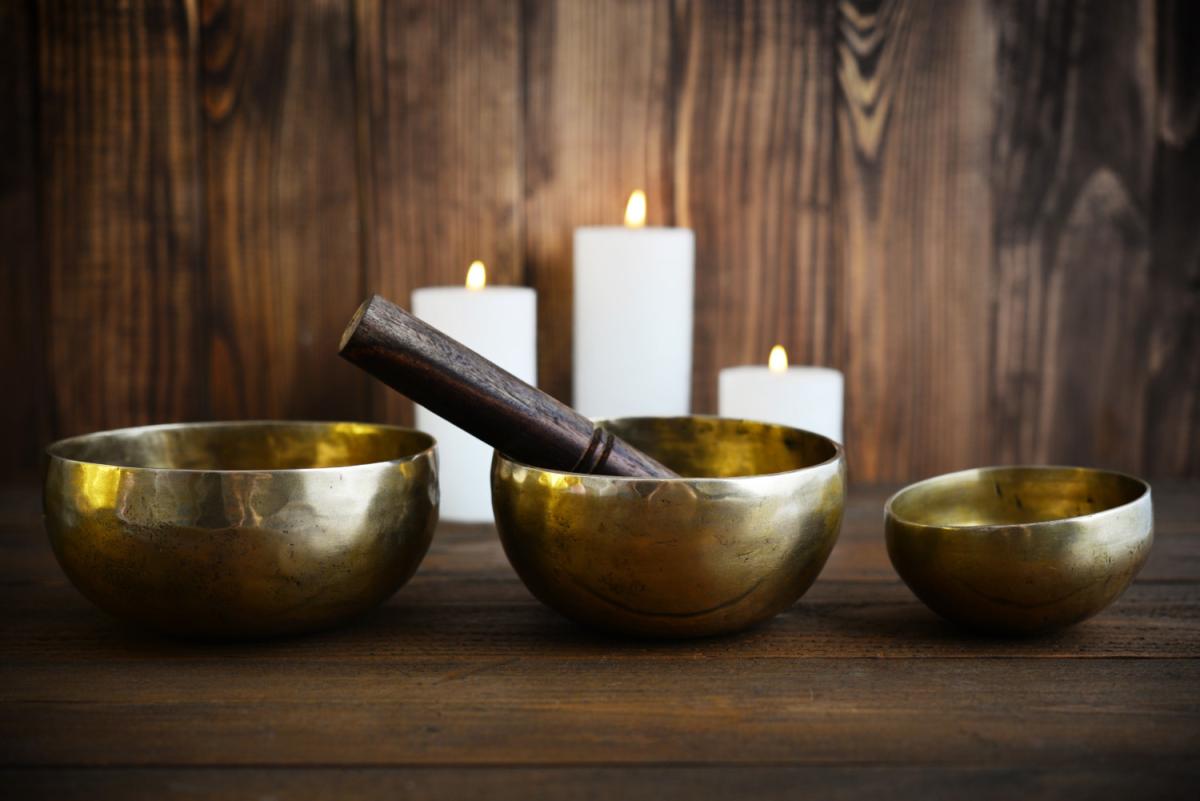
{"x": 1009, "y": 193}
{"x": 927, "y": 783}
{"x": 439, "y": 117}
{"x": 23, "y": 414}
{"x": 119, "y": 149}
{"x": 601, "y": 711}
{"x": 1073, "y": 156}
{"x": 754, "y": 168}
{"x": 914, "y": 82}
{"x": 1172, "y": 422}
{"x": 284, "y": 263}
{"x": 463, "y": 669}
{"x": 597, "y": 110}
{"x": 477, "y": 621}
{"x": 466, "y": 603}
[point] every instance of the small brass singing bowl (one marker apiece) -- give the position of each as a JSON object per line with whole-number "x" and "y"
{"x": 241, "y": 530}
{"x": 735, "y": 541}
{"x": 1020, "y": 550}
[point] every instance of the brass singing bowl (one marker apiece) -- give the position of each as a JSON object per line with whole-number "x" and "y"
{"x": 1020, "y": 549}
{"x": 735, "y": 541}
{"x": 241, "y": 530}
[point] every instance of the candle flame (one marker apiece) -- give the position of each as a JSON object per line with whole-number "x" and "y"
{"x": 476, "y": 275}
{"x": 777, "y": 362}
{"x": 635, "y": 210}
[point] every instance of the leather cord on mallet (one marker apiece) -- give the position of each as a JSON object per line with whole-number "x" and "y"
{"x": 453, "y": 381}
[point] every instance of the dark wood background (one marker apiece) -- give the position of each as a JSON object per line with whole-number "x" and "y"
{"x": 986, "y": 213}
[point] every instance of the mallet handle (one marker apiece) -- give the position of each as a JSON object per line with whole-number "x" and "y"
{"x": 453, "y": 381}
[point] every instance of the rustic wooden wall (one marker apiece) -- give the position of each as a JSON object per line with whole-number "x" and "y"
{"x": 985, "y": 213}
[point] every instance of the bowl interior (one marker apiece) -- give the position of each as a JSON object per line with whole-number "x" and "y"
{"x": 1013, "y": 496}
{"x": 265, "y": 445}
{"x": 711, "y": 447}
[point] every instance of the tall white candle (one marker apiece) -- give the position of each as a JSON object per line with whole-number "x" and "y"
{"x": 499, "y": 323}
{"x": 633, "y": 317}
{"x": 801, "y": 397}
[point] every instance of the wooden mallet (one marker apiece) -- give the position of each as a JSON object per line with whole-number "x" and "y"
{"x": 453, "y": 381}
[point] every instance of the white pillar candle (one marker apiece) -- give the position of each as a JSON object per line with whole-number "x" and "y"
{"x": 499, "y": 323}
{"x": 633, "y": 318}
{"x": 801, "y": 397}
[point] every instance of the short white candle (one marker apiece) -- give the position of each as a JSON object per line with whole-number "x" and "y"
{"x": 801, "y": 397}
{"x": 633, "y": 317}
{"x": 499, "y": 323}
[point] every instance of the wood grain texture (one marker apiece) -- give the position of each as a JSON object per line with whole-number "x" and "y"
{"x": 1074, "y": 307}
{"x": 463, "y": 684}
{"x": 22, "y": 334}
{"x": 280, "y": 161}
{"x": 914, "y": 80}
{"x": 982, "y": 212}
{"x": 439, "y": 126}
{"x": 1173, "y": 408}
{"x": 475, "y": 619}
{"x": 597, "y": 106}
{"x": 123, "y": 250}
{"x": 600, "y": 711}
{"x": 573, "y": 783}
{"x": 753, "y": 175}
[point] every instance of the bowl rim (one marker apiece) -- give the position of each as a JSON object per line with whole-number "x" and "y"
{"x": 891, "y": 515}
{"x": 428, "y": 451}
{"x": 839, "y": 455}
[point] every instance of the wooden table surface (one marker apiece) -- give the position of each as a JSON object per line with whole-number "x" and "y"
{"x": 463, "y": 685}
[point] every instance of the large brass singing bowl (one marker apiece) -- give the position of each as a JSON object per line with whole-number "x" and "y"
{"x": 236, "y": 530}
{"x": 1020, "y": 549}
{"x": 734, "y": 542}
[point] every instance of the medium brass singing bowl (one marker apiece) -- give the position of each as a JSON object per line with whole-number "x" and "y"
{"x": 735, "y": 541}
{"x": 1020, "y": 549}
{"x": 241, "y": 530}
